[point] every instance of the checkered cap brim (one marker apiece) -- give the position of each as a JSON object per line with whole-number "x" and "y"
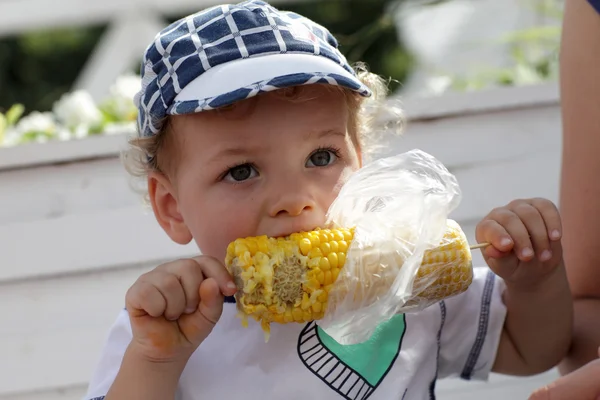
{"x": 187, "y": 48}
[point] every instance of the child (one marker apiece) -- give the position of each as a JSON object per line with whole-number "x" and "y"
{"x": 250, "y": 120}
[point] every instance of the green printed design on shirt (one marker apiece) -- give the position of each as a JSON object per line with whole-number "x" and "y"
{"x": 373, "y": 358}
{"x": 353, "y": 371}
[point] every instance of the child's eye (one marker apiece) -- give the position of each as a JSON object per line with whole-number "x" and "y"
{"x": 241, "y": 173}
{"x": 321, "y": 158}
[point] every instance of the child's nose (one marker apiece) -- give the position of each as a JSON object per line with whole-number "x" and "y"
{"x": 292, "y": 205}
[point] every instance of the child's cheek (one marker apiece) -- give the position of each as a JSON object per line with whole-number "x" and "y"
{"x": 222, "y": 226}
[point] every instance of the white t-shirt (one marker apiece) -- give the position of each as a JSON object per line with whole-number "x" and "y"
{"x": 457, "y": 337}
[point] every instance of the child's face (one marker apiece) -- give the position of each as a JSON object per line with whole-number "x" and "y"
{"x": 269, "y": 167}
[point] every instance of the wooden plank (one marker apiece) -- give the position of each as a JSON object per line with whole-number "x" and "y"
{"x": 85, "y": 242}
{"x": 485, "y": 187}
{"x": 35, "y": 154}
{"x": 480, "y": 101}
{"x": 470, "y": 140}
{"x": 53, "y": 191}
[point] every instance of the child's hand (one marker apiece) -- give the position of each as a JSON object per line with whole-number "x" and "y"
{"x": 525, "y": 240}
{"x": 174, "y": 307}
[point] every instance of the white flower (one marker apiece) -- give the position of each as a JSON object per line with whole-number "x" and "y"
{"x": 63, "y": 134}
{"x": 35, "y": 127}
{"x": 11, "y": 137}
{"x": 37, "y": 122}
{"x": 77, "y": 111}
{"x": 121, "y": 97}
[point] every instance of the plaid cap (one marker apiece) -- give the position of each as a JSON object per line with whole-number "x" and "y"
{"x": 229, "y": 53}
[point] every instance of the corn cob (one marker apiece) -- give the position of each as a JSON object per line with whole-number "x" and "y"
{"x": 290, "y": 279}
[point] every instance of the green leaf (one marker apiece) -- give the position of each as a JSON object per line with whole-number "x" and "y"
{"x": 3, "y": 125}
{"x": 533, "y": 34}
{"x": 14, "y": 113}
{"x": 33, "y": 136}
{"x": 97, "y": 129}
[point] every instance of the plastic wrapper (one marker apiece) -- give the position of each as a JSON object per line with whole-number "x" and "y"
{"x": 405, "y": 254}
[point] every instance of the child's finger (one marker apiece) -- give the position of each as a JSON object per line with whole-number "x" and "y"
{"x": 143, "y": 298}
{"x": 536, "y": 227}
{"x": 211, "y": 301}
{"x": 190, "y": 275}
{"x": 212, "y": 268}
{"x": 208, "y": 313}
{"x": 170, "y": 287}
{"x": 490, "y": 231}
{"x": 551, "y": 216}
{"x": 517, "y": 232}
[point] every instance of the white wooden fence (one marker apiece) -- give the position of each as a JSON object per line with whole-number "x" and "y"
{"x": 73, "y": 237}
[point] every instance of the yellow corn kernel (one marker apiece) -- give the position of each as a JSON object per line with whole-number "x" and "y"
{"x": 323, "y": 296}
{"x": 334, "y": 246}
{"x": 338, "y": 236}
{"x": 347, "y": 235}
{"x": 342, "y": 246}
{"x": 305, "y": 246}
{"x": 305, "y": 301}
{"x": 252, "y": 246}
{"x": 324, "y": 264}
{"x": 334, "y": 273}
{"x": 316, "y": 307}
{"x": 297, "y": 314}
{"x": 321, "y": 277}
{"x": 341, "y": 259}
{"x": 314, "y": 240}
{"x": 325, "y": 248}
{"x": 328, "y": 278}
{"x": 315, "y": 252}
{"x": 307, "y": 315}
{"x": 333, "y": 259}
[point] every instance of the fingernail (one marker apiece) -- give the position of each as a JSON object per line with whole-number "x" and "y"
{"x": 546, "y": 255}
{"x": 527, "y": 252}
{"x": 231, "y": 286}
{"x": 505, "y": 242}
{"x": 190, "y": 310}
{"x": 555, "y": 234}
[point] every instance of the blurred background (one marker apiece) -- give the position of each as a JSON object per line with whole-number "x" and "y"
{"x": 476, "y": 78}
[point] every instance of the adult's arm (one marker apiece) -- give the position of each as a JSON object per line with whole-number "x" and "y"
{"x": 580, "y": 181}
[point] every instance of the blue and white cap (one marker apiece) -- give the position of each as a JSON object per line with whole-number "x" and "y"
{"x": 228, "y": 53}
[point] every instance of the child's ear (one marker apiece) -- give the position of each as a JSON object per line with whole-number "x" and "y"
{"x": 166, "y": 208}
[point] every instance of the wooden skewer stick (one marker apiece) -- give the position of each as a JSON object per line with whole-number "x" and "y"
{"x": 479, "y": 246}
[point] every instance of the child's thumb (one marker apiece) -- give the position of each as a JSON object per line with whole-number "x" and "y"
{"x": 209, "y": 310}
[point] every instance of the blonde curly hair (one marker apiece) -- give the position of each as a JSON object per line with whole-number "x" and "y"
{"x": 150, "y": 154}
